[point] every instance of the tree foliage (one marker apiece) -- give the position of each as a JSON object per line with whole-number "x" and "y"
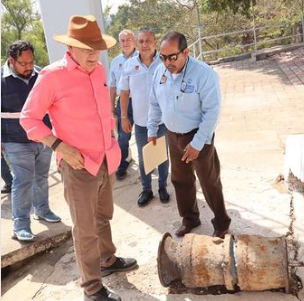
{"x": 236, "y": 6}
{"x": 20, "y": 21}
{"x": 162, "y": 16}
{"x": 18, "y": 16}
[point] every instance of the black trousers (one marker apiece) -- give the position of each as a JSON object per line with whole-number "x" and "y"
{"x": 207, "y": 168}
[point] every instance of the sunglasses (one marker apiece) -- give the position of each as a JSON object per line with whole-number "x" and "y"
{"x": 171, "y": 57}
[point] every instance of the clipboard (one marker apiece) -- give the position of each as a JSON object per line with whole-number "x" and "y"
{"x": 154, "y": 155}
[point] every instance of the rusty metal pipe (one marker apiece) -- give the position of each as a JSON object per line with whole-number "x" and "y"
{"x": 250, "y": 261}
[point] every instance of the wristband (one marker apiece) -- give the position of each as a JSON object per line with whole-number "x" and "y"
{"x": 124, "y": 117}
{"x": 55, "y": 144}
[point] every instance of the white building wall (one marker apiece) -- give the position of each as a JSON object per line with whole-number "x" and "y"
{"x": 55, "y": 17}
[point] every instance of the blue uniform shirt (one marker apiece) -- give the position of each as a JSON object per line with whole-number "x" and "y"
{"x": 137, "y": 78}
{"x": 116, "y": 70}
{"x": 185, "y": 102}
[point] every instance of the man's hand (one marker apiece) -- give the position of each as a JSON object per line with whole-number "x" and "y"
{"x": 190, "y": 153}
{"x": 71, "y": 155}
{"x": 126, "y": 125}
{"x": 113, "y": 113}
{"x": 153, "y": 139}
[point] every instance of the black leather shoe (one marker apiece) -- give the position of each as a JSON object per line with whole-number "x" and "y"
{"x": 144, "y": 198}
{"x": 183, "y": 230}
{"x": 121, "y": 174}
{"x": 102, "y": 295}
{"x": 6, "y": 189}
{"x": 163, "y": 195}
{"x": 220, "y": 233}
{"x": 120, "y": 265}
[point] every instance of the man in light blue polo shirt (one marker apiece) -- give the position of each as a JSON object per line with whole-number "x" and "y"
{"x": 185, "y": 94}
{"x": 127, "y": 43}
{"x": 136, "y": 79}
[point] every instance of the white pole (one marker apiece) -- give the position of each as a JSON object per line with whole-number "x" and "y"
{"x": 55, "y": 17}
{"x": 200, "y": 54}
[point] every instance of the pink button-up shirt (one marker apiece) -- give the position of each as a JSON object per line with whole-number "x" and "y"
{"x": 80, "y": 111}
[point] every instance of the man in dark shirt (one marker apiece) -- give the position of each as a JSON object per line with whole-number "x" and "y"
{"x": 29, "y": 161}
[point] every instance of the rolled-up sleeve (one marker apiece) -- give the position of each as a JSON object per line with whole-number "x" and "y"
{"x": 36, "y": 107}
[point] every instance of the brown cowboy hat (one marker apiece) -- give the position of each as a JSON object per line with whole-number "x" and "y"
{"x": 84, "y": 32}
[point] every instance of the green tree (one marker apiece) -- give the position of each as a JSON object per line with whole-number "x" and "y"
{"x": 221, "y": 6}
{"x": 18, "y": 15}
{"x": 36, "y": 37}
{"x": 162, "y": 16}
{"x": 20, "y": 21}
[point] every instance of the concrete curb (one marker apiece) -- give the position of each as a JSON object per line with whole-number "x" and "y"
{"x": 32, "y": 249}
{"x": 259, "y": 55}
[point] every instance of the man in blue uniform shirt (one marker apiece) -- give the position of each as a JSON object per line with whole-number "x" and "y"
{"x": 127, "y": 43}
{"x": 186, "y": 96}
{"x": 137, "y": 79}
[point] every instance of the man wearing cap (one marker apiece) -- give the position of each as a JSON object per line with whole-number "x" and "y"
{"x": 127, "y": 43}
{"x": 74, "y": 92}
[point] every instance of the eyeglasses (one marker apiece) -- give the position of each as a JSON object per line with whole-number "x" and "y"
{"x": 24, "y": 64}
{"x": 171, "y": 57}
{"x": 88, "y": 51}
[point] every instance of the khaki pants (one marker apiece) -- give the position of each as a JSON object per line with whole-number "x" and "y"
{"x": 90, "y": 201}
{"x": 207, "y": 168}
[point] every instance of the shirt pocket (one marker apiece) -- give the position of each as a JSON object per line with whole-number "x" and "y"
{"x": 138, "y": 82}
{"x": 188, "y": 102}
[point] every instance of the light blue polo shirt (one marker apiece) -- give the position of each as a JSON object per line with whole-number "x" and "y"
{"x": 116, "y": 69}
{"x": 137, "y": 78}
{"x": 196, "y": 106}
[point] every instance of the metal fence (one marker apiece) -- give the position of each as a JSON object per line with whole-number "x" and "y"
{"x": 258, "y": 37}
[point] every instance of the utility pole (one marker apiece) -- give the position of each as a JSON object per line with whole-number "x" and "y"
{"x": 254, "y": 29}
{"x": 200, "y": 53}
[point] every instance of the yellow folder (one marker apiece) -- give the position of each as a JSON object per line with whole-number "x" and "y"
{"x": 154, "y": 155}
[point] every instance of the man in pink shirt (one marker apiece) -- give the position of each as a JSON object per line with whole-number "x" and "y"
{"x": 74, "y": 93}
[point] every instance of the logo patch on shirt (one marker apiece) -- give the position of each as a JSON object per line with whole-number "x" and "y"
{"x": 189, "y": 89}
{"x": 120, "y": 65}
{"x": 163, "y": 79}
{"x": 136, "y": 67}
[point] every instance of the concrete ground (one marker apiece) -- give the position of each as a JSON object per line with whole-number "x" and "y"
{"x": 262, "y": 104}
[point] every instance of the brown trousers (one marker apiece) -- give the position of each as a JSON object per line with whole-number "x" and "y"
{"x": 207, "y": 168}
{"x": 90, "y": 201}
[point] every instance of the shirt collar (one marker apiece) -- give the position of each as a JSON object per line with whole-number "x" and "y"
{"x": 69, "y": 62}
{"x": 132, "y": 54}
{"x": 156, "y": 55}
{"x": 8, "y": 71}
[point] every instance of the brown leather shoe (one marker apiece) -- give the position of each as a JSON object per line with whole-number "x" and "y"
{"x": 220, "y": 233}
{"x": 183, "y": 230}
